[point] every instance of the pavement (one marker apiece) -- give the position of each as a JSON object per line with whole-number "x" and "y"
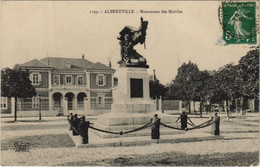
{"x": 248, "y": 128}
{"x": 239, "y": 134}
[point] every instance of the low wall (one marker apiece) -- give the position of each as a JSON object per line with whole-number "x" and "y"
{"x": 36, "y": 113}
{"x": 91, "y": 112}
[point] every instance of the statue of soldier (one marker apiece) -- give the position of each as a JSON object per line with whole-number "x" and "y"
{"x": 184, "y": 119}
{"x": 155, "y": 128}
{"x": 126, "y": 48}
{"x": 215, "y": 125}
{"x": 83, "y": 130}
{"x": 75, "y": 123}
{"x": 129, "y": 37}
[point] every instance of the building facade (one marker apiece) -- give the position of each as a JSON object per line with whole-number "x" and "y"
{"x": 67, "y": 85}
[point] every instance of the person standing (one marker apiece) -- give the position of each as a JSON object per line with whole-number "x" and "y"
{"x": 83, "y": 130}
{"x": 155, "y": 128}
{"x": 215, "y": 125}
{"x": 70, "y": 117}
{"x": 75, "y": 123}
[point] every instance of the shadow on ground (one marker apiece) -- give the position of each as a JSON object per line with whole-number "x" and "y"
{"x": 39, "y": 141}
{"x": 176, "y": 159}
{"x": 32, "y": 127}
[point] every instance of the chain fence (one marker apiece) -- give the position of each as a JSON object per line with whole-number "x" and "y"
{"x": 202, "y": 125}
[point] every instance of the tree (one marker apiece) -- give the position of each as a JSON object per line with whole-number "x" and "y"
{"x": 249, "y": 71}
{"x": 157, "y": 89}
{"x": 227, "y": 84}
{"x": 183, "y": 86}
{"x": 16, "y": 83}
{"x": 203, "y": 88}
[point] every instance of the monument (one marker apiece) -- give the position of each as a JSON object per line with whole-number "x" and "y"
{"x": 132, "y": 106}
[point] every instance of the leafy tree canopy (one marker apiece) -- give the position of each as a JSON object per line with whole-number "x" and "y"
{"x": 156, "y": 88}
{"x": 16, "y": 83}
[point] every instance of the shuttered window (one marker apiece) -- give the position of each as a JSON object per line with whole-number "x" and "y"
{"x": 100, "y": 80}
{"x": 36, "y": 78}
{"x": 3, "y": 102}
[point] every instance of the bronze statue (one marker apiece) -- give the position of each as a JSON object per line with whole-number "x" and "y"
{"x": 129, "y": 37}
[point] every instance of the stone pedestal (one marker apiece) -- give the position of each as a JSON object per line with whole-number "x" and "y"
{"x": 132, "y": 93}
{"x": 132, "y": 106}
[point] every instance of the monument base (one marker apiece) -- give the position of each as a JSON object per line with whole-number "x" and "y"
{"x": 117, "y": 122}
{"x": 132, "y": 107}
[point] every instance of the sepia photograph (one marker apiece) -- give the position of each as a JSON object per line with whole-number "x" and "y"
{"x": 130, "y": 83}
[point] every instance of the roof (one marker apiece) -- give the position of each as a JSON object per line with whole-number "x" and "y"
{"x": 35, "y": 63}
{"x": 99, "y": 66}
{"x": 60, "y": 63}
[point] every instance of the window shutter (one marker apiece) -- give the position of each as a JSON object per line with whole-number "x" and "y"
{"x": 64, "y": 80}
{"x": 85, "y": 80}
{"x": 52, "y": 78}
{"x": 72, "y": 79}
{"x": 97, "y": 80}
{"x": 31, "y": 77}
{"x": 104, "y": 80}
{"x": 40, "y": 78}
{"x": 103, "y": 101}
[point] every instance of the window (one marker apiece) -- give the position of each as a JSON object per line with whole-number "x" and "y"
{"x": 101, "y": 80}
{"x": 68, "y": 79}
{"x": 3, "y": 102}
{"x": 100, "y": 100}
{"x": 80, "y": 80}
{"x": 56, "y": 79}
{"x": 35, "y": 102}
{"x": 35, "y": 78}
{"x": 68, "y": 64}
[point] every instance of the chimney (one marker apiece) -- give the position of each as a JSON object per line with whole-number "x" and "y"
{"x": 83, "y": 57}
{"x": 110, "y": 64}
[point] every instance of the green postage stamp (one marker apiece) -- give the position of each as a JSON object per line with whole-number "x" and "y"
{"x": 239, "y": 22}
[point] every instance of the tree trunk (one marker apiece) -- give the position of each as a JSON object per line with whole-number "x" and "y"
{"x": 194, "y": 104}
{"x": 241, "y": 105}
{"x": 245, "y": 101}
{"x": 227, "y": 109}
{"x": 236, "y": 106}
{"x": 189, "y": 107}
{"x": 15, "y": 109}
{"x": 201, "y": 104}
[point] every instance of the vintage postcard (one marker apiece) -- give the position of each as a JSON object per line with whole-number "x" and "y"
{"x": 130, "y": 83}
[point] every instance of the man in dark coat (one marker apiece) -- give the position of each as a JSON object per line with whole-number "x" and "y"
{"x": 75, "y": 123}
{"x": 155, "y": 128}
{"x": 83, "y": 130}
{"x": 215, "y": 125}
{"x": 184, "y": 119}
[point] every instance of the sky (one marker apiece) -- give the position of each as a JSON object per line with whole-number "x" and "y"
{"x": 68, "y": 29}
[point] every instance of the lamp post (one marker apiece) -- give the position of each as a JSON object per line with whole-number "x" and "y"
{"x": 40, "y": 114}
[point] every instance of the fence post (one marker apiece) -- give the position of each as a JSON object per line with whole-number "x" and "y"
{"x": 180, "y": 106}
{"x": 160, "y": 104}
{"x": 13, "y": 105}
{"x": 86, "y": 106}
{"x": 40, "y": 114}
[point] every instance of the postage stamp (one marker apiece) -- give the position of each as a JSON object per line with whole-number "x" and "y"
{"x": 238, "y": 20}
